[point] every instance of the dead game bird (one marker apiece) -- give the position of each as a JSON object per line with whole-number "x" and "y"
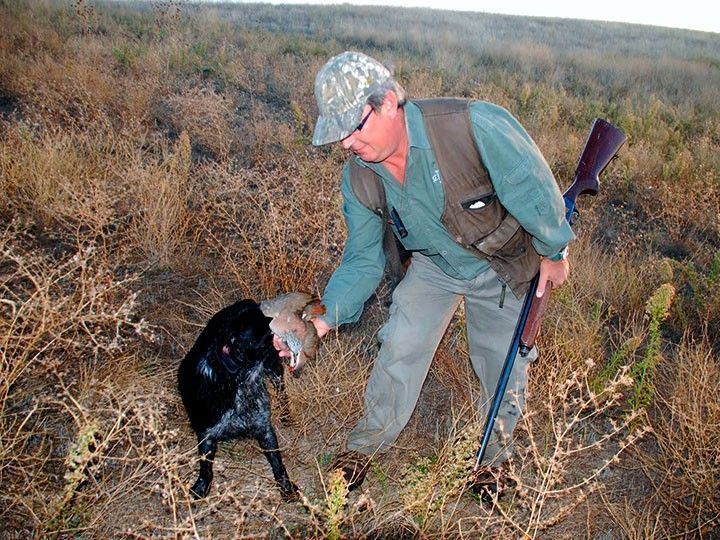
{"x": 291, "y": 315}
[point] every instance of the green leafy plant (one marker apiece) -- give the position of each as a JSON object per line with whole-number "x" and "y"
{"x": 379, "y": 473}
{"x": 331, "y": 511}
{"x": 657, "y": 310}
{"x": 618, "y": 359}
{"x": 126, "y": 55}
{"x": 82, "y": 452}
{"x": 430, "y": 482}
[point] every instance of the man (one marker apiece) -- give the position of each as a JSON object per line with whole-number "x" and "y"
{"x": 363, "y": 107}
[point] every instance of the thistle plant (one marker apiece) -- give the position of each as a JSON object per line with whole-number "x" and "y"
{"x": 618, "y": 359}
{"x": 331, "y": 513}
{"x": 82, "y": 452}
{"x": 336, "y": 501}
{"x": 657, "y": 310}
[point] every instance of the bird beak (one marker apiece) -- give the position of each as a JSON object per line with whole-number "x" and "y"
{"x": 296, "y": 365}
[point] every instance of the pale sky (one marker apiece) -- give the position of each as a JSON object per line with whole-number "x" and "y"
{"x": 691, "y": 14}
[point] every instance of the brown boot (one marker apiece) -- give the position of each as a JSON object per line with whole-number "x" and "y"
{"x": 488, "y": 481}
{"x": 353, "y": 465}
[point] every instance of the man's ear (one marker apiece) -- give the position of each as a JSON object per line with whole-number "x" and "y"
{"x": 390, "y": 103}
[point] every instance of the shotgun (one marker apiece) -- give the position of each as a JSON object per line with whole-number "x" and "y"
{"x": 601, "y": 146}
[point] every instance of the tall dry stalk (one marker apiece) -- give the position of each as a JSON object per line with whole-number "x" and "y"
{"x": 161, "y": 218}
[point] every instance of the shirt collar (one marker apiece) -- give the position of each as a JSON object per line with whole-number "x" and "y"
{"x": 415, "y": 126}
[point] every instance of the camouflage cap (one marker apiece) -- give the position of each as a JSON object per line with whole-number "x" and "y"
{"x": 342, "y": 87}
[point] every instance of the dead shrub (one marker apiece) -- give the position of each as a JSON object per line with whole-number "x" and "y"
{"x": 160, "y": 218}
{"x": 59, "y": 317}
{"x": 636, "y": 522}
{"x": 207, "y": 118}
{"x": 274, "y": 230}
{"x": 686, "y": 426}
{"x": 55, "y": 307}
{"x": 73, "y": 90}
{"x": 66, "y": 179}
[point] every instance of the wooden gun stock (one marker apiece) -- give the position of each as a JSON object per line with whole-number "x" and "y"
{"x": 601, "y": 146}
{"x": 534, "y": 319}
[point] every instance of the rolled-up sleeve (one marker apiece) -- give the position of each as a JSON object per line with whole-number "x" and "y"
{"x": 521, "y": 177}
{"x": 362, "y": 265}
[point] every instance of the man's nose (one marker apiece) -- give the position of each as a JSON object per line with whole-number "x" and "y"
{"x": 348, "y": 141}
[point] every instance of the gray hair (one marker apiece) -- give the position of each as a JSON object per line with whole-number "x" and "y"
{"x": 377, "y": 98}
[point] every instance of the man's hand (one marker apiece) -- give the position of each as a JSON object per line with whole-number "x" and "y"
{"x": 321, "y": 327}
{"x": 555, "y": 272}
{"x": 281, "y": 347}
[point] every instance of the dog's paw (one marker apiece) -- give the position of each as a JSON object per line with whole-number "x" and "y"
{"x": 200, "y": 489}
{"x": 289, "y": 491}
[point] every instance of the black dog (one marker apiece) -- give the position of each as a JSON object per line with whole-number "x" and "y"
{"x": 221, "y": 382}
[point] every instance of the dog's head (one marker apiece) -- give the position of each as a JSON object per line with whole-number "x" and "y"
{"x": 241, "y": 337}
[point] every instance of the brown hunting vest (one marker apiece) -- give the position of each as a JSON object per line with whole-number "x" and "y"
{"x": 473, "y": 214}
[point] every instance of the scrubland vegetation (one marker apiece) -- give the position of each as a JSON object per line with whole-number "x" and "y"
{"x": 155, "y": 165}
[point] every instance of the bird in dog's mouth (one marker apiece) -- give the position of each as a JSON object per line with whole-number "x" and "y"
{"x": 292, "y": 315}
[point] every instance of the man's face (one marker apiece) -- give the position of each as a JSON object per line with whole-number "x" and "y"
{"x": 377, "y": 138}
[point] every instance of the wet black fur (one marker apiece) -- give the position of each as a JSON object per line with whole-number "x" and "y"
{"x": 221, "y": 382}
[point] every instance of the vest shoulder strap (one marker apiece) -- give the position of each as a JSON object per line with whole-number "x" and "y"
{"x": 368, "y": 188}
{"x": 447, "y": 123}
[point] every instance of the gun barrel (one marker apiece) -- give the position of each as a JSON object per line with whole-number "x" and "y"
{"x": 601, "y": 146}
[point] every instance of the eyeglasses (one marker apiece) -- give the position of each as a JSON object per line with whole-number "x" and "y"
{"x": 362, "y": 122}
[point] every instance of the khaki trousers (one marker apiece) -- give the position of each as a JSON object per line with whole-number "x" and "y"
{"x": 422, "y": 306}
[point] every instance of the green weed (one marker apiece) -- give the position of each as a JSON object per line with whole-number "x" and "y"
{"x": 66, "y": 516}
{"x": 657, "y": 310}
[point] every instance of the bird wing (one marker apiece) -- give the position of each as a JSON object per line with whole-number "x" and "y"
{"x": 293, "y": 301}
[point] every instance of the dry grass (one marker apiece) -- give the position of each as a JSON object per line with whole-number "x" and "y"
{"x": 687, "y": 467}
{"x": 155, "y": 165}
{"x": 160, "y": 218}
{"x": 62, "y": 180}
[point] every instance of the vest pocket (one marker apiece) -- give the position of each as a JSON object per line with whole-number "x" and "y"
{"x": 519, "y": 255}
{"x": 515, "y": 248}
{"x": 478, "y": 202}
{"x": 478, "y": 214}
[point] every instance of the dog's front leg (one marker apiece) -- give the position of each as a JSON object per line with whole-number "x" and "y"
{"x": 274, "y": 372}
{"x": 206, "y": 448}
{"x": 268, "y": 443}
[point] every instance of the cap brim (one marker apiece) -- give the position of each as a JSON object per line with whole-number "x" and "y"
{"x": 329, "y": 129}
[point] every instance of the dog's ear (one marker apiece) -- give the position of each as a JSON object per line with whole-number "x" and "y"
{"x": 230, "y": 358}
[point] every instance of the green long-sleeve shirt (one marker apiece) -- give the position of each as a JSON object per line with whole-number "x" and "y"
{"x": 522, "y": 180}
